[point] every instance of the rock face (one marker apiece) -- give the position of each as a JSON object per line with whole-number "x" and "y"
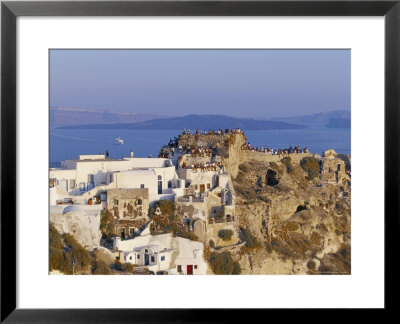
{"x": 302, "y": 226}
{"x": 227, "y": 146}
{"x": 82, "y": 225}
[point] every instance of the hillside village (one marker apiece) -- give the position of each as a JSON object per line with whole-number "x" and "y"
{"x": 210, "y": 203}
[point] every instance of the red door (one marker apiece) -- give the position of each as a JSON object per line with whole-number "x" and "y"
{"x": 189, "y": 270}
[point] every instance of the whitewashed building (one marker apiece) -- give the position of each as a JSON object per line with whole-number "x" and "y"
{"x": 164, "y": 252}
{"x": 85, "y": 180}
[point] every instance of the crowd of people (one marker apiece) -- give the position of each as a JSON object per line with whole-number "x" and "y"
{"x": 269, "y": 150}
{"x": 199, "y": 151}
{"x": 226, "y": 131}
{"x": 203, "y": 167}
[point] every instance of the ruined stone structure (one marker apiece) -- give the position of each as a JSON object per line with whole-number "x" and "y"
{"x": 333, "y": 169}
{"x": 227, "y": 148}
{"x": 129, "y": 208}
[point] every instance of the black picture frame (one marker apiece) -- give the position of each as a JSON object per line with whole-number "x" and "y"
{"x": 10, "y": 10}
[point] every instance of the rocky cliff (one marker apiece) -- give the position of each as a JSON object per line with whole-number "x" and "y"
{"x": 301, "y": 226}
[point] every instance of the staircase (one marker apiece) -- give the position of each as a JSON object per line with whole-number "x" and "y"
{"x": 174, "y": 159}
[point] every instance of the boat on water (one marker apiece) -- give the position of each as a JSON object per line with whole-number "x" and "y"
{"x": 119, "y": 140}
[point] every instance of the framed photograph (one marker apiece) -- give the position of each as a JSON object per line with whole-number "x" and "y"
{"x": 247, "y": 152}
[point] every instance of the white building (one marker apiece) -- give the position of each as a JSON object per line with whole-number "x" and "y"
{"x": 164, "y": 253}
{"x": 91, "y": 175}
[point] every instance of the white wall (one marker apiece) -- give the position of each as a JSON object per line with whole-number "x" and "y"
{"x": 134, "y": 179}
{"x": 190, "y": 252}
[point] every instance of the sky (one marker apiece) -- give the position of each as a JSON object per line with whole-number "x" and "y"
{"x": 241, "y": 83}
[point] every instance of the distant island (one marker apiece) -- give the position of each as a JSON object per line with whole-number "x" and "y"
{"x": 339, "y": 123}
{"x": 193, "y": 122}
{"x": 60, "y": 117}
{"x": 317, "y": 119}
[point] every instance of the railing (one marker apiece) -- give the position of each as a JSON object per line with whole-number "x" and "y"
{"x": 55, "y": 164}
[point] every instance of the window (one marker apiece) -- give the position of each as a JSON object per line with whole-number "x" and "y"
{"x": 130, "y": 258}
{"x": 163, "y": 258}
{"x": 195, "y": 187}
{"x": 146, "y": 251}
{"x": 159, "y": 178}
{"x": 71, "y": 184}
{"x": 82, "y": 186}
{"x": 142, "y": 186}
{"x": 131, "y": 230}
{"x": 179, "y": 268}
{"x": 139, "y": 202}
{"x": 115, "y": 202}
{"x": 169, "y": 184}
{"x": 138, "y": 256}
{"x": 208, "y": 185}
{"x": 195, "y": 266}
{"x": 338, "y": 167}
{"x": 90, "y": 178}
{"x": 152, "y": 259}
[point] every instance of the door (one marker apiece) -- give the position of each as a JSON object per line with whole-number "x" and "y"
{"x": 146, "y": 259}
{"x": 159, "y": 187}
{"x": 189, "y": 269}
{"x": 64, "y": 184}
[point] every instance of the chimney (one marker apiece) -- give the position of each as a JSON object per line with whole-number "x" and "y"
{"x": 131, "y": 154}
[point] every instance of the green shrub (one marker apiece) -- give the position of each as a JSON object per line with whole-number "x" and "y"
{"x": 66, "y": 254}
{"x": 311, "y": 166}
{"x": 123, "y": 267}
{"x": 100, "y": 268}
{"x": 225, "y": 234}
{"x": 106, "y": 227}
{"x": 76, "y": 257}
{"x": 236, "y": 268}
{"x": 240, "y": 176}
{"x": 222, "y": 263}
{"x": 55, "y": 249}
{"x": 244, "y": 167}
{"x": 287, "y": 162}
{"x": 249, "y": 238}
{"x": 311, "y": 265}
{"x": 167, "y": 208}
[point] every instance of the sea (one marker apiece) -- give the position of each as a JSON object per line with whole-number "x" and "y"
{"x": 70, "y": 143}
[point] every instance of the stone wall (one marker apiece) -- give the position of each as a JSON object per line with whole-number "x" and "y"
{"x": 129, "y": 208}
{"x": 203, "y": 140}
{"x": 213, "y": 229}
{"x": 333, "y": 170}
{"x": 128, "y": 203}
{"x": 266, "y": 157}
